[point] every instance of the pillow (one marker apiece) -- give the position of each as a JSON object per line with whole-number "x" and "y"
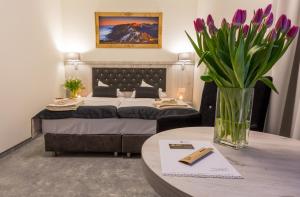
{"x": 101, "y": 91}
{"x": 146, "y": 92}
{"x": 160, "y": 92}
{"x": 119, "y": 93}
{"x": 144, "y": 84}
{"x": 100, "y": 83}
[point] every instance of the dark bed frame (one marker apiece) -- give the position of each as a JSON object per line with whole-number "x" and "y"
{"x": 126, "y": 79}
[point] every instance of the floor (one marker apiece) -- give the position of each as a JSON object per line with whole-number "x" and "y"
{"x": 31, "y": 172}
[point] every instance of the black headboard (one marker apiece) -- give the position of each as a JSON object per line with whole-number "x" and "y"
{"x": 129, "y": 78}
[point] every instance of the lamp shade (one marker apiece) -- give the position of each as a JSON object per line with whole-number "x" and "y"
{"x": 72, "y": 57}
{"x": 185, "y": 57}
{"x": 180, "y": 93}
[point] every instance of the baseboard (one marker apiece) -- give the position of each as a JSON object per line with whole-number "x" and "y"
{"x": 14, "y": 148}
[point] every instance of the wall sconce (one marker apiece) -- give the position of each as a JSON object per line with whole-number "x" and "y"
{"x": 185, "y": 58}
{"x": 180, "y": 93}
{"x": 73, "y": 59}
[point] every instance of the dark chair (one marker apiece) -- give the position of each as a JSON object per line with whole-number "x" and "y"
{"x": 206, "y": 116}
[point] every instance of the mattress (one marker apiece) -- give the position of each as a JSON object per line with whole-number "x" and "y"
{"x": 99, "y": 126}
{"x": 100, "y": 108}
{"x": 125, "y": 116}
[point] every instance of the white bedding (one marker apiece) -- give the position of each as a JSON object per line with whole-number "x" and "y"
{"x": 133, "y": 102}
{"x": 107, "y": 125}
{"x": 100, "y": 101}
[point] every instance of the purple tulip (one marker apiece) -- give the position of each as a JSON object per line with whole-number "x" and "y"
{"x": 225, "y": 24}
{"x": 210, "y": 20}
{"x": 269, "y": 20}
{"x": 245, "y": 30}
{"x": 212, "y": 29}
{"x": 292, "y": 32}
{"x": 239, "y": 17}
{"x": 272, "y": 35}
{"x": 258, "y": 17}
{"x": 199, "y": 25}
{"x": 267, "y": 10}
{"x": 287, "y": 26}
{"x": 281, "y": 23}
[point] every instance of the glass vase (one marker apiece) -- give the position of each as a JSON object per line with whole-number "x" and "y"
{"x": 233, "y": 114}
{"x": 73, "y": 94}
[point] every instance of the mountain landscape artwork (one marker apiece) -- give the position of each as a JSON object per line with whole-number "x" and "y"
{"x": 128, "y": 30}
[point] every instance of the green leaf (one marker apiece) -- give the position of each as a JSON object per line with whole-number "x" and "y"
{"x": 206, "y": 78}
{"x": 268, "y": 83}
{"x": 199, "y": 41}
{"x": 202, "y": 58}
{"x": 198, "y": 51}
{"x": 238, "y": 64}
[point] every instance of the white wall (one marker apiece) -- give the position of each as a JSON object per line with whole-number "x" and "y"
{"x": 79, "y": 28}
{"x": 31, "y": 67}
{"x": 219, "y": 10}
{"x": 79, "y": 36}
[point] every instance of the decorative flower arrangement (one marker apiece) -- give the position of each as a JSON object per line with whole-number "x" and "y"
{"x": 237, "y": 55}
{"x": 74, "y": 86}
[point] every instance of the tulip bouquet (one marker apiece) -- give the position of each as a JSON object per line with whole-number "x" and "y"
{"x": 74, "y": 86}
{"x": 237, "y": 55}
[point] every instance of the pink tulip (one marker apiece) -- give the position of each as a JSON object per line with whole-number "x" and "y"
{"x": 210, "y": 20}
{"x": 292, "y": 32}
{"x": 199, "y": 25}
{"x": 225, "y": 24}
{"x": 281, "y": 23}
{"x": 269, "y": 20}
{"x": 239, "y": 17}
{"x": 287, "y": 26}
{"x": 258, "y": 17}
{"x": 267, "y": 10}
{"x": 272, "y": 35}
{"x": 245, "y": 30}
{"x": 212, "y": 29}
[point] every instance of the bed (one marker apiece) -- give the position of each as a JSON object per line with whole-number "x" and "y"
{"x": 102, "y": 124}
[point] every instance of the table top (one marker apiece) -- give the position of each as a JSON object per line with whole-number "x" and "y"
{"x": 270, "y": 165}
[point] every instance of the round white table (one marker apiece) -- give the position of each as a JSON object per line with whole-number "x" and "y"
{"x": 270, "y": 166}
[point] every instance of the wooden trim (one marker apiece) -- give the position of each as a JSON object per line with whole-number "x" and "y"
{"x": 131, "y": 63}
{"x": 141, "y": 14}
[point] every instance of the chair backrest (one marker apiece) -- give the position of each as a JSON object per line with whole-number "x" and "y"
{"x": 208, "y": 104}
{"x": 259, "y": 110}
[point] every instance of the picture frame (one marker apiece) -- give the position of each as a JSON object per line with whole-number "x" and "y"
{"x": 128, "y": 29}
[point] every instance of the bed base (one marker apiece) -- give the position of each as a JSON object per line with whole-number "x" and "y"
{"x": 59, "y": 143}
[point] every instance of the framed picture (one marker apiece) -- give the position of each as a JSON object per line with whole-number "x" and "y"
{"x": 128, "y": 30}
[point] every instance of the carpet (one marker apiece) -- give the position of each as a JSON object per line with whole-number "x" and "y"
{"x": 31, "y": 172}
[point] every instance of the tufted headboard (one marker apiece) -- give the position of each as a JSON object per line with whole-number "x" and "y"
{"x": 127, "y": 79}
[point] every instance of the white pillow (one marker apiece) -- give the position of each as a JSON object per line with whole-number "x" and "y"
{"x": 119, "y": 93}
{"x": 144, "y": 84}
{"x": 100, "y": 83}
{"x": 162, "y": 94}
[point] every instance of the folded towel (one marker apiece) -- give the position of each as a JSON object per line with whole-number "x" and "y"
{"x": 170, "y": 103}
{"x": 65, "y": 104}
